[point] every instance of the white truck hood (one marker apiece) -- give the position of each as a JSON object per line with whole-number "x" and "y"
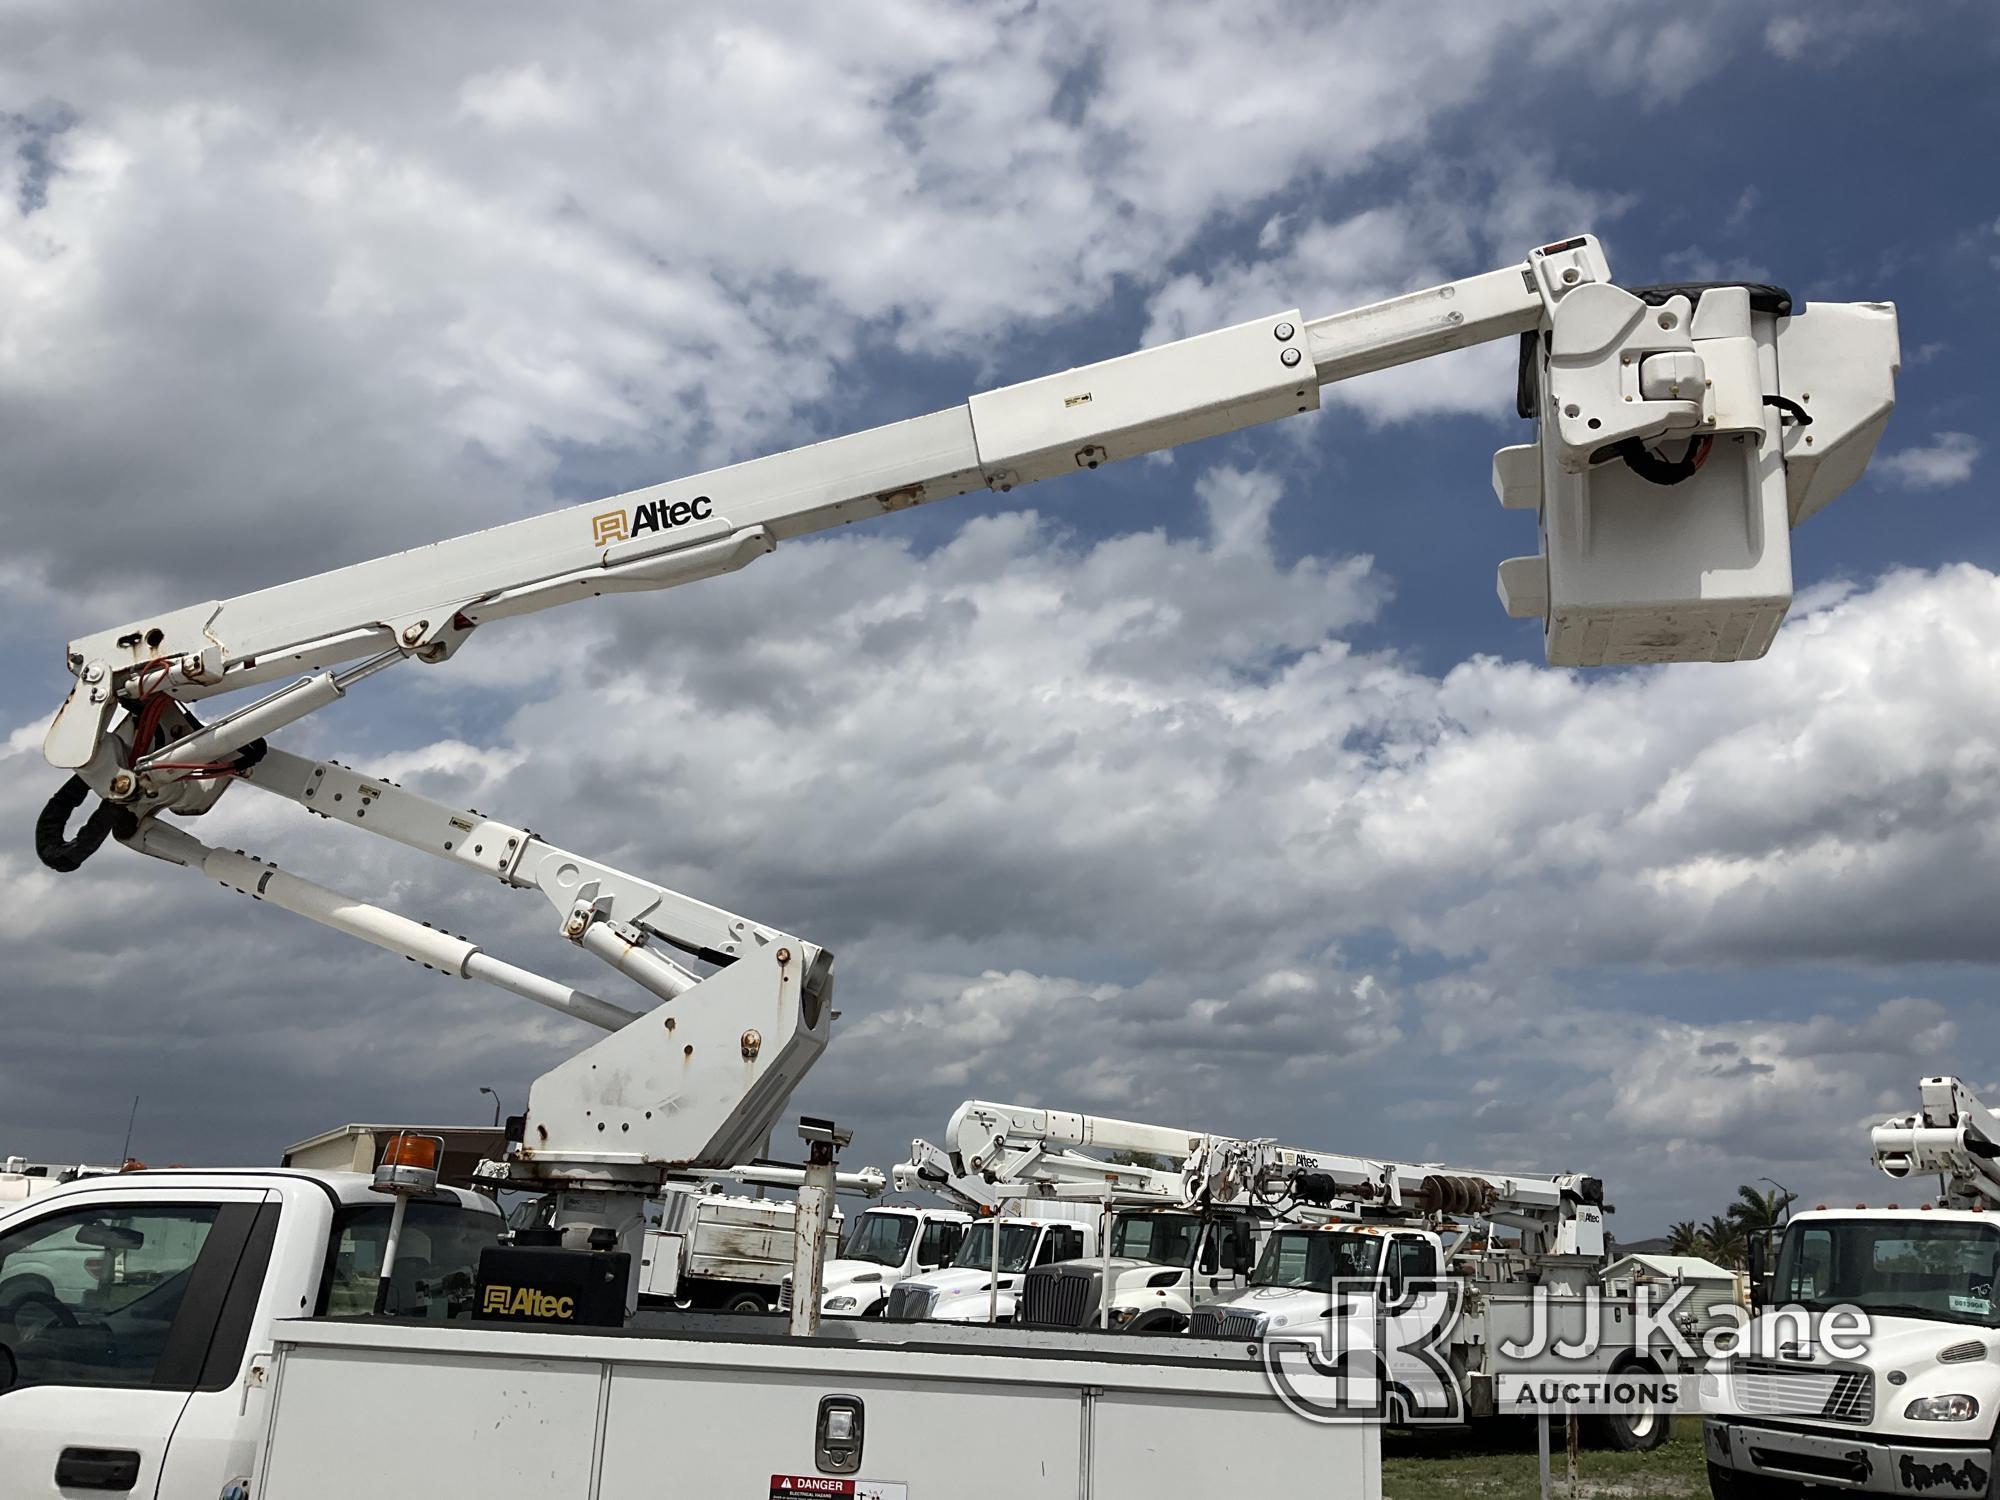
{"x": 960, "y": 1279}
{"x": 1892, "y": 1342}
{"x": 1278, "y": 1306}
{"x": 963, "y": 1293}
{"x": 838, "y": 1275}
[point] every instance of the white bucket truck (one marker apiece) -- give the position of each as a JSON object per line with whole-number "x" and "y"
{"x": 1681, "y": 432}
{"x": 1874, "y": 1360}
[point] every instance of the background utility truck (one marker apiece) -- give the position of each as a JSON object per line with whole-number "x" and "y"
{"x": 1169, "y": 1235}
{"x": 729, "y": 1251}
{"x": 1009, "y": 1236}
{"x": 1394, "y": 1223}
{"x": 1909, "y": 1407}
{"x": 1670, "y": 461}
{"x": 883, "y": 1246}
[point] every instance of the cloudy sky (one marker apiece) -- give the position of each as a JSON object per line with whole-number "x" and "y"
{"x": 1213, "y": 791}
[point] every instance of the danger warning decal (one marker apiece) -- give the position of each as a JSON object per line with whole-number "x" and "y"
{"x": 793, "y": 1486}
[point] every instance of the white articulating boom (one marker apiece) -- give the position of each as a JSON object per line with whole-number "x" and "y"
{"x": 869, "y": 1182}
{"x": 1655, "y": 549}
{"x": 930, "y": 1169}
{"x": 1013, "y": 1143}
{"x": 1953, "y": 1135}
{"x": 1560, "y": 1214}
{"x": 1030, "y": 1151}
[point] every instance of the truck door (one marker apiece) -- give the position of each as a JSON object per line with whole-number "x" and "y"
{"x": 1230, "y": 1242}
{"x": 937, "y": 1242}
{"x": 1409, "y": 1261}
{"x": 1411, "y": 1258}
{"x": 108, "y": 1310}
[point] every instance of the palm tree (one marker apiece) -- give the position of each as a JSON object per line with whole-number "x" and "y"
{"x": 1756, "y": 1212}
{"x": 1760, "y": 1215}
{"x": 1684, "y": 1238}
{"x": 1723, "y": 1241}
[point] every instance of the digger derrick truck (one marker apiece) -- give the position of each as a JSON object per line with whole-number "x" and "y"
{"x": 1388, "y": 1227}
{"x": 1873, "y": 1361}
{"x": 1680, "y": 433}
{"x": 1168, "y": 1235}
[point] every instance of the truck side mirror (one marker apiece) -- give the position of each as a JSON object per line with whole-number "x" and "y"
{"x": 1239, "y": 1254}
{"x": 1754, "y": 1254}
{"x": 9, "y": 1370}
{"x": 1211, "y": 1259}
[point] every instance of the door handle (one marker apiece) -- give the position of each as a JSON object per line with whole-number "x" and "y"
{"x": 97, "y": 1469}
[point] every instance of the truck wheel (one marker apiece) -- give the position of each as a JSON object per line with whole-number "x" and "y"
{"x": 746, "y": 1302}
{"x": 1635, "y": 1431}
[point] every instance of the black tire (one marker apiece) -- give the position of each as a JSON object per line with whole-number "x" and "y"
{"x": 1633, "y": 1431}
{"x": 745, "y": 1302}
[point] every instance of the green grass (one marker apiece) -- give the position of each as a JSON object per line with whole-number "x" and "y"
{"x": 1495, "y": 1460}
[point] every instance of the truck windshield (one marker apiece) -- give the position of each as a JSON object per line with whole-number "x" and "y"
{"x": 1917, "y": 1268}
{"x": 975, "y": 1251}
{"x": 1164, "y": 1239}
{"x": 882, "y": 1238}
{"x": 1312, "y": 1258}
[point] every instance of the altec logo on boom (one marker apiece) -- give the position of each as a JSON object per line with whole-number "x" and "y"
{"x": 655, "y": 515}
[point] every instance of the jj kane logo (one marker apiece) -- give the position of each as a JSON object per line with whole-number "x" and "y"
{"x": 655, "y": 515}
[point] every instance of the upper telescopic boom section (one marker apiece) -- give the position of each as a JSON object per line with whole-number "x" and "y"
{"x": 1607, "y": 369}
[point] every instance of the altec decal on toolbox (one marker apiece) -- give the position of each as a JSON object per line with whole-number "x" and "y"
{"x": 517, "y": 1301}
{"x": 655, "y": 515}
{"x": 792, "y": 1486}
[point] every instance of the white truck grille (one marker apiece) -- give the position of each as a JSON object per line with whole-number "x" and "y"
{"x": 1764, "y": 1388}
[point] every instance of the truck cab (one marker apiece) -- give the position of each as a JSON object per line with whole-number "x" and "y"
{"x": 1908, "y": 1406}
{"x": 967, "y": 1291}
{"x": 137, "y": 1313}
{"x": 1295, "y": 1275}
{"x": 883, "y": 1246}
{"x": 1161, "y": 1263}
